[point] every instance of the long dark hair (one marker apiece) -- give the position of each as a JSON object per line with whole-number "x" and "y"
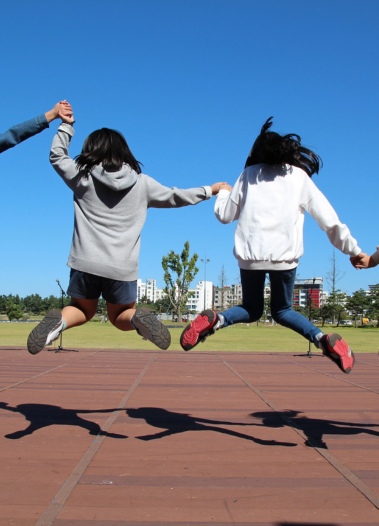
{"x": 272, "y": 148}
{"x": 109, "y": 148}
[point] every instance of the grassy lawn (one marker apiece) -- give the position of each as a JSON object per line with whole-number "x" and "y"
{"x": 235, "y": 338}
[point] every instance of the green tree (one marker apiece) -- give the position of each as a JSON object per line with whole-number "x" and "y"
{"x": 33, "y": 303}
{"x": 14, "y": 312}
{"x": 373, "y": 304}
{"x": 335, "y": 304}
{"x": 145, "y": 302}
{"x": 357, "y": 304}
{"x": 3, "y": 304}
{"x": 325, "y": 312}
{"x": 179, "y": 272}
{"x": 163, "y": 305}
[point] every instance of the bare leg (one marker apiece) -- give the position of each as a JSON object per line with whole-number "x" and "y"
{"x": 79, "y": 312}
{"x": 120, "y": 315}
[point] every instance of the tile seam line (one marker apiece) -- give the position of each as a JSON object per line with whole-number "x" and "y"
{"x": 365, "y": 363}
{"x": 330, "y": 375}
{"x": 57, "y": 504}
{"x": 46, "y": 372}
{"x": 333, "y": 461}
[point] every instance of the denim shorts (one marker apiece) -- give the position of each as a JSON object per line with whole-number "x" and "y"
{"x": 90, "y": 287}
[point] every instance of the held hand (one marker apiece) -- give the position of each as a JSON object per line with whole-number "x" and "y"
{"x": 67, "y": 117}
{"x": 61, "y": 107}
{"x": 363, "y": 260}
{"x": 216, "y": 187}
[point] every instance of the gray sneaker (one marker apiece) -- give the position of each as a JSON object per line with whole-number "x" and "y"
{"x": 150, "y": 328}
{"x": 47, "y": 331}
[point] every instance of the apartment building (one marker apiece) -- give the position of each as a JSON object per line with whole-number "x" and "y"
{"x": 306, "y": 290}
{"x": 200, "y": 299}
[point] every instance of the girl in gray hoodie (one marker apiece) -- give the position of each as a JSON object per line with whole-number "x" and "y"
{"x": 111, "y": 198}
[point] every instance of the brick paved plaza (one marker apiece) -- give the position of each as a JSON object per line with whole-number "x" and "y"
{"x": 142, "y": 438}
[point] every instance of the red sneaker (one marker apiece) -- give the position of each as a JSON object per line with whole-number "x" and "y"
{"x": 199, "y": 329}
{"x": 338, "y": 350}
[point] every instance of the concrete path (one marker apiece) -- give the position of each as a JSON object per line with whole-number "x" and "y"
{"x": 144, "y": 438}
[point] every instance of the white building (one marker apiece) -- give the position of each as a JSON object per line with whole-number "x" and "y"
{"x": 150, "y": 290}
{"x": 198, "y": 302}
{"x": 226, "y": 297}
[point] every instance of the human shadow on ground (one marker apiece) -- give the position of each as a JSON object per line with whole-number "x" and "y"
{"x": 44, "y": 415}
{"x": 315, "y": 428}
{"x": 174, "y": 423}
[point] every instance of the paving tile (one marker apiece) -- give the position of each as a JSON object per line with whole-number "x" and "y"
{"x": 246, "y": 466}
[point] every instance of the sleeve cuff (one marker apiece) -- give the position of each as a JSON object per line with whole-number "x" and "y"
{"x": 375, "y": 255}
{"x": 64, "y": 126}
{"x": 208, "y": 192}
{"x": 356, "y": 251}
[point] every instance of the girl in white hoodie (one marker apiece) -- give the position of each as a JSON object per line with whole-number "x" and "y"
{"x": 268, "y": 201}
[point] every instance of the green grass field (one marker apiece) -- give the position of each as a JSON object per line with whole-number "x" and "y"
{"x": 237, "y": 338}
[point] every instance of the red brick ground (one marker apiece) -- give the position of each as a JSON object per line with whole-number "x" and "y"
{"x": 143, "y": 438}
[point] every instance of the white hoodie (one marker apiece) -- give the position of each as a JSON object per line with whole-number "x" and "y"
{"x": 269, "y": 203}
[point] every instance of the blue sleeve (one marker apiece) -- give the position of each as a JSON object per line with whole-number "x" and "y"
{"x": 21, "y": 132}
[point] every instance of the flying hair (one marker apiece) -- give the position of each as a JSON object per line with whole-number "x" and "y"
{"x": 272, "y": 148}
{"x": 109, "y": 148}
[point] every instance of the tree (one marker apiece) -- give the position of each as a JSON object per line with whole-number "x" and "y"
{"x": 14, "y": 312}
{"x": 373, "y": 304}
{"x": 145, "y": 302}
{"x": 357, "y": 303}
{"x": 33, "y": 303}
{"x": 333, "y": 276}
{"x": 222, "y": 281}
{"x": 185, "y": 269}
{"x": 163, "y": 305}
{"x": 325, "y": 312}
{"x": 335, "y": 304}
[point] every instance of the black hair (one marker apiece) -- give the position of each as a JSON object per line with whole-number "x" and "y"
{"x": 273, "y": 148}
{"x": 109, "y": 148}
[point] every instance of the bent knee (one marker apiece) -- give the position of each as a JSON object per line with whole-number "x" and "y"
{"x": 254, "y": 314}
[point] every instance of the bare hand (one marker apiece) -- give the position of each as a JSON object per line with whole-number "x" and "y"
{"x": 362, "y": 261}
{"x": 216, "y": 187}
{"x": 62, "y": 109}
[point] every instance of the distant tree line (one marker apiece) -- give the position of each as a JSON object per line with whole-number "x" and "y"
{"x": 17, "y": 308}
{"x": 339, "y": 307}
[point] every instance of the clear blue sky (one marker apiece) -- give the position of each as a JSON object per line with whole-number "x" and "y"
{"x": 189, "y": 84}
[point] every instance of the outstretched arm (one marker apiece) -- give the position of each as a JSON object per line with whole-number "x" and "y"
{"x": 227, "y": 208}
{"x": 327, "y": 219}
{"x": 159, "y": 196}
{"x": 23, "y": 131}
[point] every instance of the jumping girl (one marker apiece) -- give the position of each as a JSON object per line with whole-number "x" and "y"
{"x": 268, "y": 201}
{"x": 111, "y": 198}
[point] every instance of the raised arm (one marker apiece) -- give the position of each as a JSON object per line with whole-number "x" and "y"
{"x": 59, "y": 157}
{"x": 27, "y": 129}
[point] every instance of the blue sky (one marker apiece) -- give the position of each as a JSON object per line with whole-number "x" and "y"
{"x": 189, "y": 84}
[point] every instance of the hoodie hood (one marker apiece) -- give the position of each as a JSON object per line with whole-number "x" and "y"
{"x": 121, "y": 180}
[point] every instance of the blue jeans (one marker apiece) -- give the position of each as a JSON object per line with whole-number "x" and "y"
{"x": 282, "y": 283}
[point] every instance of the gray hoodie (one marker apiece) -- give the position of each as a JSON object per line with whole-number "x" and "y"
{"x": 110, "y": 211}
